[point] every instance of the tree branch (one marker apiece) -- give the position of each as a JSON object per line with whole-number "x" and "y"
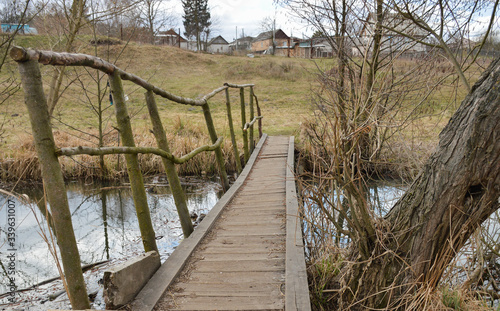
{"x": 136, "y": 150}
{"x": 20, "y": 54}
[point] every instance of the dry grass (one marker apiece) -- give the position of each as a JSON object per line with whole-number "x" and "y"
{"x": 23, "y": 164}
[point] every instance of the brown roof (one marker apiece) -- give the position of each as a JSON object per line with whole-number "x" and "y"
{"x": 171, "y": 33}
{"x": 279, "y": 34}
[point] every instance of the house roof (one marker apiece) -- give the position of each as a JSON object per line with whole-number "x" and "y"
{"x": 218, "y": 40}
{"x": 392, "y": 21}
{"x": 247, "y": 39}
{"x": 279, "y": 34}
{"x": 170, "y": 33}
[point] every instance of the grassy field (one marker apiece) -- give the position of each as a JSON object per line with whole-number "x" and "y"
{"x": 283, "y": 87}
{"x": 282, "y": 84}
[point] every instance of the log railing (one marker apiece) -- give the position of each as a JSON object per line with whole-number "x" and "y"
{"x": 48, "y": 153}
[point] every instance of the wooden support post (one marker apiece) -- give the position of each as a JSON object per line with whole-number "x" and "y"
{"x": 259, "y": 114}
{"x": 233, "y": 136}
{"x": 53, "y": 182}
{"x": 170, "y": 170}
{"x": 252, "y": 143}
{"x": 243, "y": 122}
{"x": 218, "y": 152}
{"x": 133, "y": 169}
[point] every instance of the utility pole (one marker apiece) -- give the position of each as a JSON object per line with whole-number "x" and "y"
{"x": 289, "y": 40}
{"x": 274, "y": 36}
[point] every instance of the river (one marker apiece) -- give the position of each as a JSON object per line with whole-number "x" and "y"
{"x": 106, "y": 228}
{"x": 104, "y": 221}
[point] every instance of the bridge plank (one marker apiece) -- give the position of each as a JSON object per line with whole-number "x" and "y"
{"x": 225, "y": 303}
{"x": 256, "y": 277}
{"x": 243, "y": 256}
{"x": 232, "y": 265}
{"x": 242, "y": 249}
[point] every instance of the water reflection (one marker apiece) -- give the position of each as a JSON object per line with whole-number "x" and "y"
{"x": 105, "y": 224}
{"x": 325, "y": 225}
{"x": 383, "y": 194}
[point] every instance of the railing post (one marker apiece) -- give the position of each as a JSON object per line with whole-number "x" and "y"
{"x": 259, "y": 114}
{"x": 133, "y": 169}
{"x": 170, "y": 170}
{"x": 53, "y": 182}
{"x": 218, "y": 152}
{"x": 252, "y": 144}
{"x": 243, "y": 122}
{"x": 233, "y": 137}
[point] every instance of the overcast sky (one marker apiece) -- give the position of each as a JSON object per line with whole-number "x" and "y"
{"x": 247, "y": 15}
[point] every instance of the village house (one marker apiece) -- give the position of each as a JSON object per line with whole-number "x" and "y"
{"x": 288, "y": 49}
{"x": 241, "y": 44}
{"x": 218, "y": 45}
{"x": 263, "y": 43}
{"x": 392, "y": 40}
{"x": 314, "y": 48}
{"x": 171, "y": 38}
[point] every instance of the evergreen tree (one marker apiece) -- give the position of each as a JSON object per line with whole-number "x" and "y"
{"x": 196, "y": 19}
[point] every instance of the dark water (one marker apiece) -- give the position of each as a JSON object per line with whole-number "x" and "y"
{"x": 104, "y": 221}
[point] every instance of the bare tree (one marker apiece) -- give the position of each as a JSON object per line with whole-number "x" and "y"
{"x": 116, "y": 19}
{"x": 15, "y": 12}
{"x": 391, "y": 260}
{"x": 445, "y": 20}
{"x": 394, "y": 260}
{"x": 154, "y": 16}
{"x": 18, "y": 13}
{"x": 268, "y": 25}
{"x": 73, "y": 19}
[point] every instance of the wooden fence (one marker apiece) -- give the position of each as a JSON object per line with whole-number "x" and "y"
{"x": 48, "y": 152}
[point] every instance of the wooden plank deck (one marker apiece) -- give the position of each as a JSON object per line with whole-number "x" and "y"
{"x": 241, "y": 264}
{"x": 239, "y": 260}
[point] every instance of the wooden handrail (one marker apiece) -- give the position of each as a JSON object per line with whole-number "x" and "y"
{"x": 238, "y": 86}
{"x": 71, "y": 151}
{"x": 20, "y": 54}
{"x": 249, "y": 124}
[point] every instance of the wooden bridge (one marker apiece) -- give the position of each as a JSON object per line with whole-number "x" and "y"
{"x": 247, "y": 254}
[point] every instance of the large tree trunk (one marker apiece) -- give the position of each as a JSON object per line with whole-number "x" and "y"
{"x": 456, "y": 191}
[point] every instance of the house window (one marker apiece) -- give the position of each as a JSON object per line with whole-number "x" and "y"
{"x": 284, "y": 43}
{"x": 262, "y": 44}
